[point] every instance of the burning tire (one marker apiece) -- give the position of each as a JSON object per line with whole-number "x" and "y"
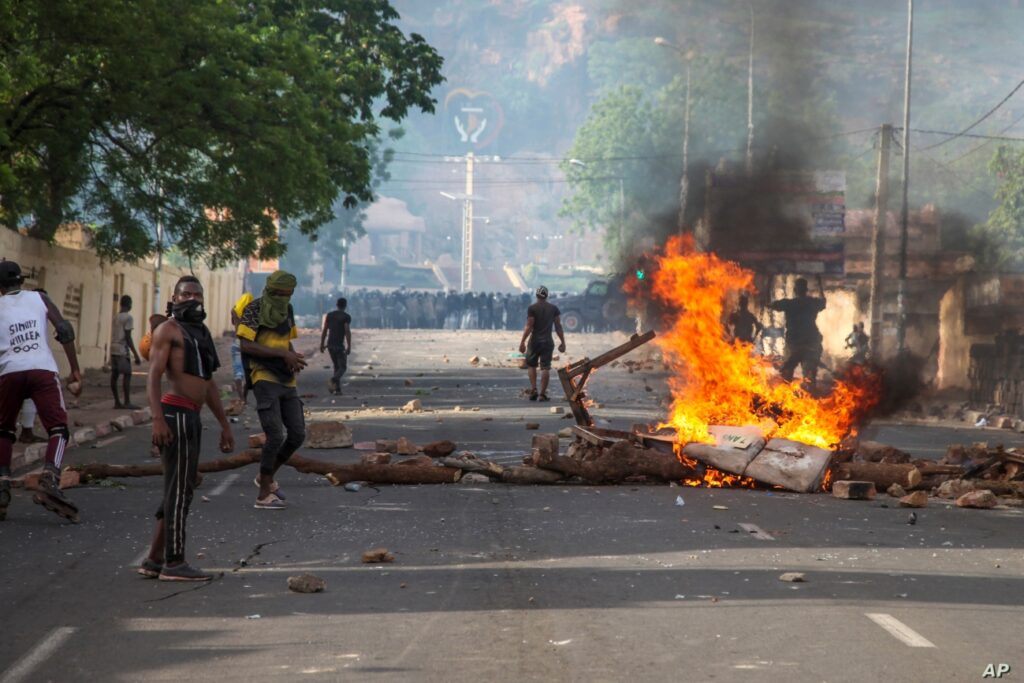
{"x": 572, "y": 321}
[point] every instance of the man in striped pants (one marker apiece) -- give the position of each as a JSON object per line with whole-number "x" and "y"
{"x": 183, "y": 350}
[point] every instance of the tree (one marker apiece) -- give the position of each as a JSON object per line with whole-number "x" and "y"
{"x": 999, "y": 242}
{"x": 215, "y": 118}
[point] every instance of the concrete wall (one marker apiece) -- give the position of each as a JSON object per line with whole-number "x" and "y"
{"x": 87, "y": 290}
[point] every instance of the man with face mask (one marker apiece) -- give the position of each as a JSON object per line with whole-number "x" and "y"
{"x": 182, "y": 348}
{"x": 266, "y": 331}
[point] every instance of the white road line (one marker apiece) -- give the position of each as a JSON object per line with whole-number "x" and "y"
{"x": 757, "y": 532}
{"x": 223, "y": 486}
{"x": 900, "y": 631}
{"x": 106, "y": 442}
{"x": 24, "y": 667}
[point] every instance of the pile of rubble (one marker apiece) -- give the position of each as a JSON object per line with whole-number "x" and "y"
{"x": 976, "y": 476}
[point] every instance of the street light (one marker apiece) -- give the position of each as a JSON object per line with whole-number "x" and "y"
{"x": 622, "y": 197}
{"x": 684, "y": 182}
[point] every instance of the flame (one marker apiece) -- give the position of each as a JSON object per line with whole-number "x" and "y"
{"x": 718, "y": 381}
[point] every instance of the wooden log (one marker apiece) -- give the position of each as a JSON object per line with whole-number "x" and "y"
{"x": 377, "y": 474}
{"x": 530, "y": 475}
{"x": 883, "y": 475}
{"x": 617, "y": 463}
{"x": 1000, "y": 488}
{"x": 99, "y": 470}
{"x": 470, "y": 463}
{"x": 951, "y": 470}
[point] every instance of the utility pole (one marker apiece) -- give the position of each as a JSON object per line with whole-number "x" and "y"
{"x": 158, "y": 270}
{"x": 878, "y": 239}
{"x": 750, "y": 97}
{"x": 467, "y": 228}
{"x": 684, "y": 182}
{"x": 901, "y": 300}
{"x": 622, "y": 211}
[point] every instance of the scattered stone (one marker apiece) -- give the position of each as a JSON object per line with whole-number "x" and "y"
{"x": 457, "y": 409}
{"x": 375, "y": 459}
{"x": 235, "y": 408}
{"x": 475, "y": 409}
{"x": 565, "y": 433}
{"x": 954, "y": 488}
{"x": 439, "y": 449}
{"x": 121, "y": 422}
{"x": 413, "y": 406}
{"x": 853, "y": 490}
{"x": 353, "y": 487}
{"x": 328, "y": 435}
{"x": 408, "y": 382}
{"x": 257, "y": 440}
{"x": 533, "y": 425}
{"x": 103, "y": 429}
{"x": 792, "y": 577}
{"x": 917, "y": 499}
{"x": 474, "y": 361}
{"x": 872, "y": 451}
{"x": 896, "y": 491}
{"x": 556, "y": 410}
{"x": 405, "y": 447}
{"x": 377, "y": 556}
{"x": 386, "y": 446}
{"x": 306, "y": 583}
{"x": 84, "y": 435}
{"x": 983, "y": 499}
{"x": 365, "y": 445}
{"x": 475, "y": 478}
{"x": 142, "y": 416}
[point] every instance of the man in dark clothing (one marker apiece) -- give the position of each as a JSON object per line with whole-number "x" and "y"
{"x": 803, "y": 340}
{"x": 336, "y": 338}
{"x": 858, "y": 341}
{"x": 266, "y": 331}
{"x": 745, "y": 325}
{"x": 540, "y": 318}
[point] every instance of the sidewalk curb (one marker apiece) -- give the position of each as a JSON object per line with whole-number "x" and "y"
{"x": 35, "y": 454}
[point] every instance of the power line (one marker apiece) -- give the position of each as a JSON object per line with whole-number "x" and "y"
{"x": 987, "y": 114}
{"x": 1005, "y": 138}
{"x": 987, "y": 142}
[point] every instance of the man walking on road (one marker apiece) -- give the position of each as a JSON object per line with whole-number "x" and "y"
{"x": 540, "y": 318}
{"x": 336, "y": 338}
{"x": 803, "y": 340}
{"x": 29, "y": 370}
{"x": 266, "y": 331}
{"x": 182, "y": 349}
{"x": 120, "y": 344}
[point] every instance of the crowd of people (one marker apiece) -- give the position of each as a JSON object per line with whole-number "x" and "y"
{"x": 405, "y": 309}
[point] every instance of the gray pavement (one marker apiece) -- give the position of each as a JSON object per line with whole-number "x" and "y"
{"x": 495, "y": 582}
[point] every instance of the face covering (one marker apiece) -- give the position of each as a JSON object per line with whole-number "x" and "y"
{"x": 189, "y": 312}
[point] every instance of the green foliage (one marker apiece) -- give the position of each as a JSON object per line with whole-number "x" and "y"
{"x": 212, "y": 117}
{"x": 999, "y": 242}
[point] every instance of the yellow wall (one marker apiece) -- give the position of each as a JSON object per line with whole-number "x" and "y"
{"x": 61, "y": 271}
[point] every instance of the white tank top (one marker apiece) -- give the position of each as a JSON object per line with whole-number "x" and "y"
{"x": 23, "y": 343}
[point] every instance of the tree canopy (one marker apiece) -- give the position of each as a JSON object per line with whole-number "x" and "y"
{"x": 214, "y": 118}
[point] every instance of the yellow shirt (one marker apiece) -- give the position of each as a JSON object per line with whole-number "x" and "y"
{"x": 242, "y": 302}
{"x": 279, "y": 338}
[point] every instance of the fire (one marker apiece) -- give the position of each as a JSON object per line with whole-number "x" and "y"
{"x": 718, "y": 381}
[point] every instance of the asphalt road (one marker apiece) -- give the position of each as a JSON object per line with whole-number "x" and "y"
{"x": 504, "y": 583}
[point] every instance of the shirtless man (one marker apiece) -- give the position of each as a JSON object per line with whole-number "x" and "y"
{"x": 183, "y": 349}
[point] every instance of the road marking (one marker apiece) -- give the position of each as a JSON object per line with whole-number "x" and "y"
{"x": 757, "y": 532}
{"x": 24, "y": 667}
{"x": 900, "y": 631}
{"x": 106, "y": 442}
{"x": 223, "y": 486}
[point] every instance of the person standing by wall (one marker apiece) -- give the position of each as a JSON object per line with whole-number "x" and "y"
{"x": 336, "y": 339}
{"x": 29, "y": 370}
{"x": 266, "y": 330}
{"x": 541, "y": 317}
{"x": 121, "y": 345}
